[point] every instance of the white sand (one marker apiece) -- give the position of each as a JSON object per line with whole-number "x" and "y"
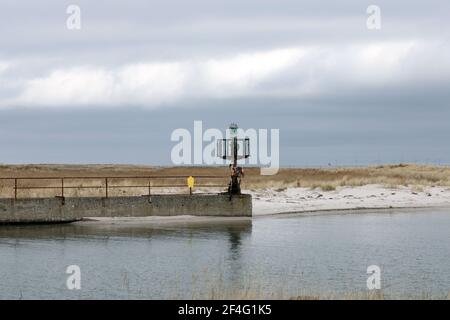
{"x": 272, "y": 201}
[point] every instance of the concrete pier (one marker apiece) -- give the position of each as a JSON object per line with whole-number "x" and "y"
{"x": 58, "y": 209}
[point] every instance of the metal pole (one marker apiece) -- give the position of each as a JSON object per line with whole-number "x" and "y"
{"x": 149, "y": 191}
{"x": 62, "y": 187}
{"x": 106, "y": 183}
{"x": 15, "y": 189}
{"x": 235, "y": 153}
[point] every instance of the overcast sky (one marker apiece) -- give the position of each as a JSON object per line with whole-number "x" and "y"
{"x": 114, "y": 90}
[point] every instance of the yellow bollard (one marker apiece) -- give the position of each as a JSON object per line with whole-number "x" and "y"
{"x": 190, "y": 183}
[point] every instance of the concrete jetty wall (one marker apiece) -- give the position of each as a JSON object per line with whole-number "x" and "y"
{"x": 42, "y": 210}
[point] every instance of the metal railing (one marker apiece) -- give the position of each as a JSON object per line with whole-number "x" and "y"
{"x": 107, "y": 183}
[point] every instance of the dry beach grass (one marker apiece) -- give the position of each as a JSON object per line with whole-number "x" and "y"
{"x": 327, "y": 179}
{"x": 330, "y": 179}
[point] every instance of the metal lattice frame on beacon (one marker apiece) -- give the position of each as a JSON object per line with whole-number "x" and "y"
{"x": 234, "y": 148}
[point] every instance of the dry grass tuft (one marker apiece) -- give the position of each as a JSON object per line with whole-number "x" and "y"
{"x": 329, "y": 179}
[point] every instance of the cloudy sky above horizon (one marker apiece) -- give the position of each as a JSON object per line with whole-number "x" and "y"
{"x": 113, "y": 91}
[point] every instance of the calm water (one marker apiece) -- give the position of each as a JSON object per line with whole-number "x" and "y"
{"x": 284, "y": 255}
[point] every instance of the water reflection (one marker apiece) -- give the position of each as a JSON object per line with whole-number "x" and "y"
{"x": 234, "y": 230}
{"x": 235, "y": 257}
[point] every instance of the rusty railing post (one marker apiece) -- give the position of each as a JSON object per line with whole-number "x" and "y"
{"x": 15, "y": 188}
{"x": 106, "y": 184}
{"x": 62, "y": 187}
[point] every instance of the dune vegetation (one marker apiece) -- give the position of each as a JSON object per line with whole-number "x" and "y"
{"x": 327, "y": 179}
